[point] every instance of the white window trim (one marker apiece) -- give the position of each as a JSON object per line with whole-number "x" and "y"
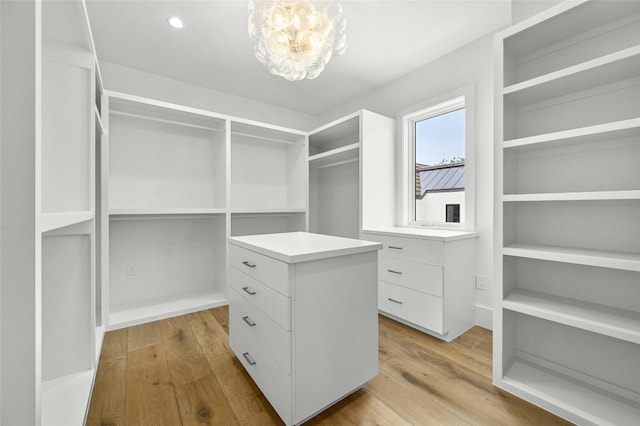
{"x": 406, "y": 182}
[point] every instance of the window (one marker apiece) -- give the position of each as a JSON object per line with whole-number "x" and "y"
{"x": 453, "y": 212}
{"x": 437, "y": 162}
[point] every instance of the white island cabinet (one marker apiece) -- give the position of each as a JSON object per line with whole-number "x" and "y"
{"x": 303, "y": 317}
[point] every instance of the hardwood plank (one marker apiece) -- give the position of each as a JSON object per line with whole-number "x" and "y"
{"x": 150, "y": 396}
{"x": 114, "y": 345}
{"x": 144, "y": 335}
{"x": 204, "y": 403}
{"x": 185, "y": 358}
{"x": 108, "y": 400}
{"x": 209, "y": 333}
{"x": 221, "y": 314}
{"x": 359, "y": 408}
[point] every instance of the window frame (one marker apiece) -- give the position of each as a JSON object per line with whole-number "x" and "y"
{"x": 406, "y": 119}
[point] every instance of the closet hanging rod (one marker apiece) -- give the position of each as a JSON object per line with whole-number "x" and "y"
{"x": 266, "y": 138}
{"x": 337, "y": 163}
{"x": 163, "y": 120}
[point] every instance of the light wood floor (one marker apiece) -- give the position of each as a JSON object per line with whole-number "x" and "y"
{"x": 181, "y": 371}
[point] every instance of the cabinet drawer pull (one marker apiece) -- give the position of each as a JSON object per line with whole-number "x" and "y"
{"x": 248, "y": 358}
{"x": 395, "y": 247}
{"x": 249, "y": 321}
{"x": 394, "y": 272}
{"x": 395, "y": 301}
{"x": 248, "y": 291}
{"x": 249, "y": 264}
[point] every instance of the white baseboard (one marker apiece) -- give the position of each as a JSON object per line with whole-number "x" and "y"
{"x": 484, "y": 317}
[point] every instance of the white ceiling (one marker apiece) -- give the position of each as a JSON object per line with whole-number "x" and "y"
{"x": 387, "y": 39}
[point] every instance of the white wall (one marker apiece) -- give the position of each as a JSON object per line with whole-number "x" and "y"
{"x": 472, "y": 64}
{"x": 432, "y": 208}
{"x": 131, "y": 81}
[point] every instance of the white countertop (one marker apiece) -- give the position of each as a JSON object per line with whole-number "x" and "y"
{"x": 294, "y": 247}
{"x": 423, "y": 233}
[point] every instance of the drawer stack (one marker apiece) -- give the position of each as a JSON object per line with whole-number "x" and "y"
{"x": 410, "y": 286}
{"x": 260, "y": 323}
{"x": 426, "y": 283}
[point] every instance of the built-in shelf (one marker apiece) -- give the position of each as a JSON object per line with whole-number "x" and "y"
{"x": 604, "y": 259}
{"x": 51, "y": 221}
{"x": 612, "y": 322}
{"x": 335, "y": 156}
{"x": 614, "y": 67}
{"x": 66, "y": 400}
{"x": 285, "y": 210}
{"x": 556, "y": 391}
{"x": 574, "y": 196}
{"x": 607, "y": 131}
{"x": 165, "y": 309}
{"x": 149, "y": 212}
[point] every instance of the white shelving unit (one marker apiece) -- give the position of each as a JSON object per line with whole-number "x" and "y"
{"x": 177, "y": 181}
{"x": 351, "y": 174}
{"x": 567, "y": 312}
{"x": 49, "y": 298}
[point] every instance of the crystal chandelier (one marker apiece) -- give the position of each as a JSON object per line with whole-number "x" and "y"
{"x": 295, "y": 39}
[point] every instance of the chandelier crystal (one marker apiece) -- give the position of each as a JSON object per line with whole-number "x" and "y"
{"x": 295, "y": 39}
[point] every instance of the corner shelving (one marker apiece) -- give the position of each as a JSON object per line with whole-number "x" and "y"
{"x": 568, "y": 202}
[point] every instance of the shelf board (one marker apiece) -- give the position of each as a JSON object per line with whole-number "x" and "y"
{"x": 612, "y": 322}
{"x": 585, "y": 402}
{"x": 164, "y": 309}
{"x": 66, "y": 400}
{"x": 610, "y": 68}
{"x": 51, "y": 221}
{"x": 599, "y": 258}
{"x": 151, "y": 212}
{"x": 574, "y": 196}
{"x": 615, "y": 130}
{"x": 335, "y": 156}
{"x": 258, "y": 211}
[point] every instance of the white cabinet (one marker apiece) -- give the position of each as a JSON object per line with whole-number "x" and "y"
{"x": 303, "y": 318}
{"x": 567, "y": 306}
{"x": 426, "y": 278}
{"x": 351, "y": 174}
{"x": 50, "y": 329}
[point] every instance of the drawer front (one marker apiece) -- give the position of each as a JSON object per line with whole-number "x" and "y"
{"x": 274, "y": 384}
{"x": 269, "y": 301}
{"x": 267, "y": 270}
{"x": 273, "y": 339}
{"x": 418, "y": 276}
{"x": 412, "y": 306}
{"x": 418, "y": 250}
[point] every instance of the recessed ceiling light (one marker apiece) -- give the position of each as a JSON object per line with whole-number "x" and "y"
{"x": 175, "y": 22}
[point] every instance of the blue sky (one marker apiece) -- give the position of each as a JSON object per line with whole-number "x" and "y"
{"x": 440, "y": 137}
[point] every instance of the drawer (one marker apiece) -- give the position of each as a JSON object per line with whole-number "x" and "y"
{"x": 274, "y": 384}
{"x": 415, "y": 249}
{"x": 413, "y": 306}
{"x": 418, "y": 276}
{"x": 265, "y": 269}
{"x": 273, "y": 339}
{"x": 269, "y": 301}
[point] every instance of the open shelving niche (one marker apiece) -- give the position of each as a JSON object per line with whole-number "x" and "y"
{"x": 176, "y": 182}
{"x": 567, "y": 318}
{"x": 351, "y": 177}
{"x": 71, "y": 333}
{"x": 164, "y": 177}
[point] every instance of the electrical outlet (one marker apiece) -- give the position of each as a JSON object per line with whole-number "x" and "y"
{"x": 481, "y": 282}
{"x": 132, "y": 271}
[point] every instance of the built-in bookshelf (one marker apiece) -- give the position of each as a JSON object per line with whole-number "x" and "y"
{"x": 351, "y": 174}
{"x": 567, "y": 305}
{"x": 179, "y": 181}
